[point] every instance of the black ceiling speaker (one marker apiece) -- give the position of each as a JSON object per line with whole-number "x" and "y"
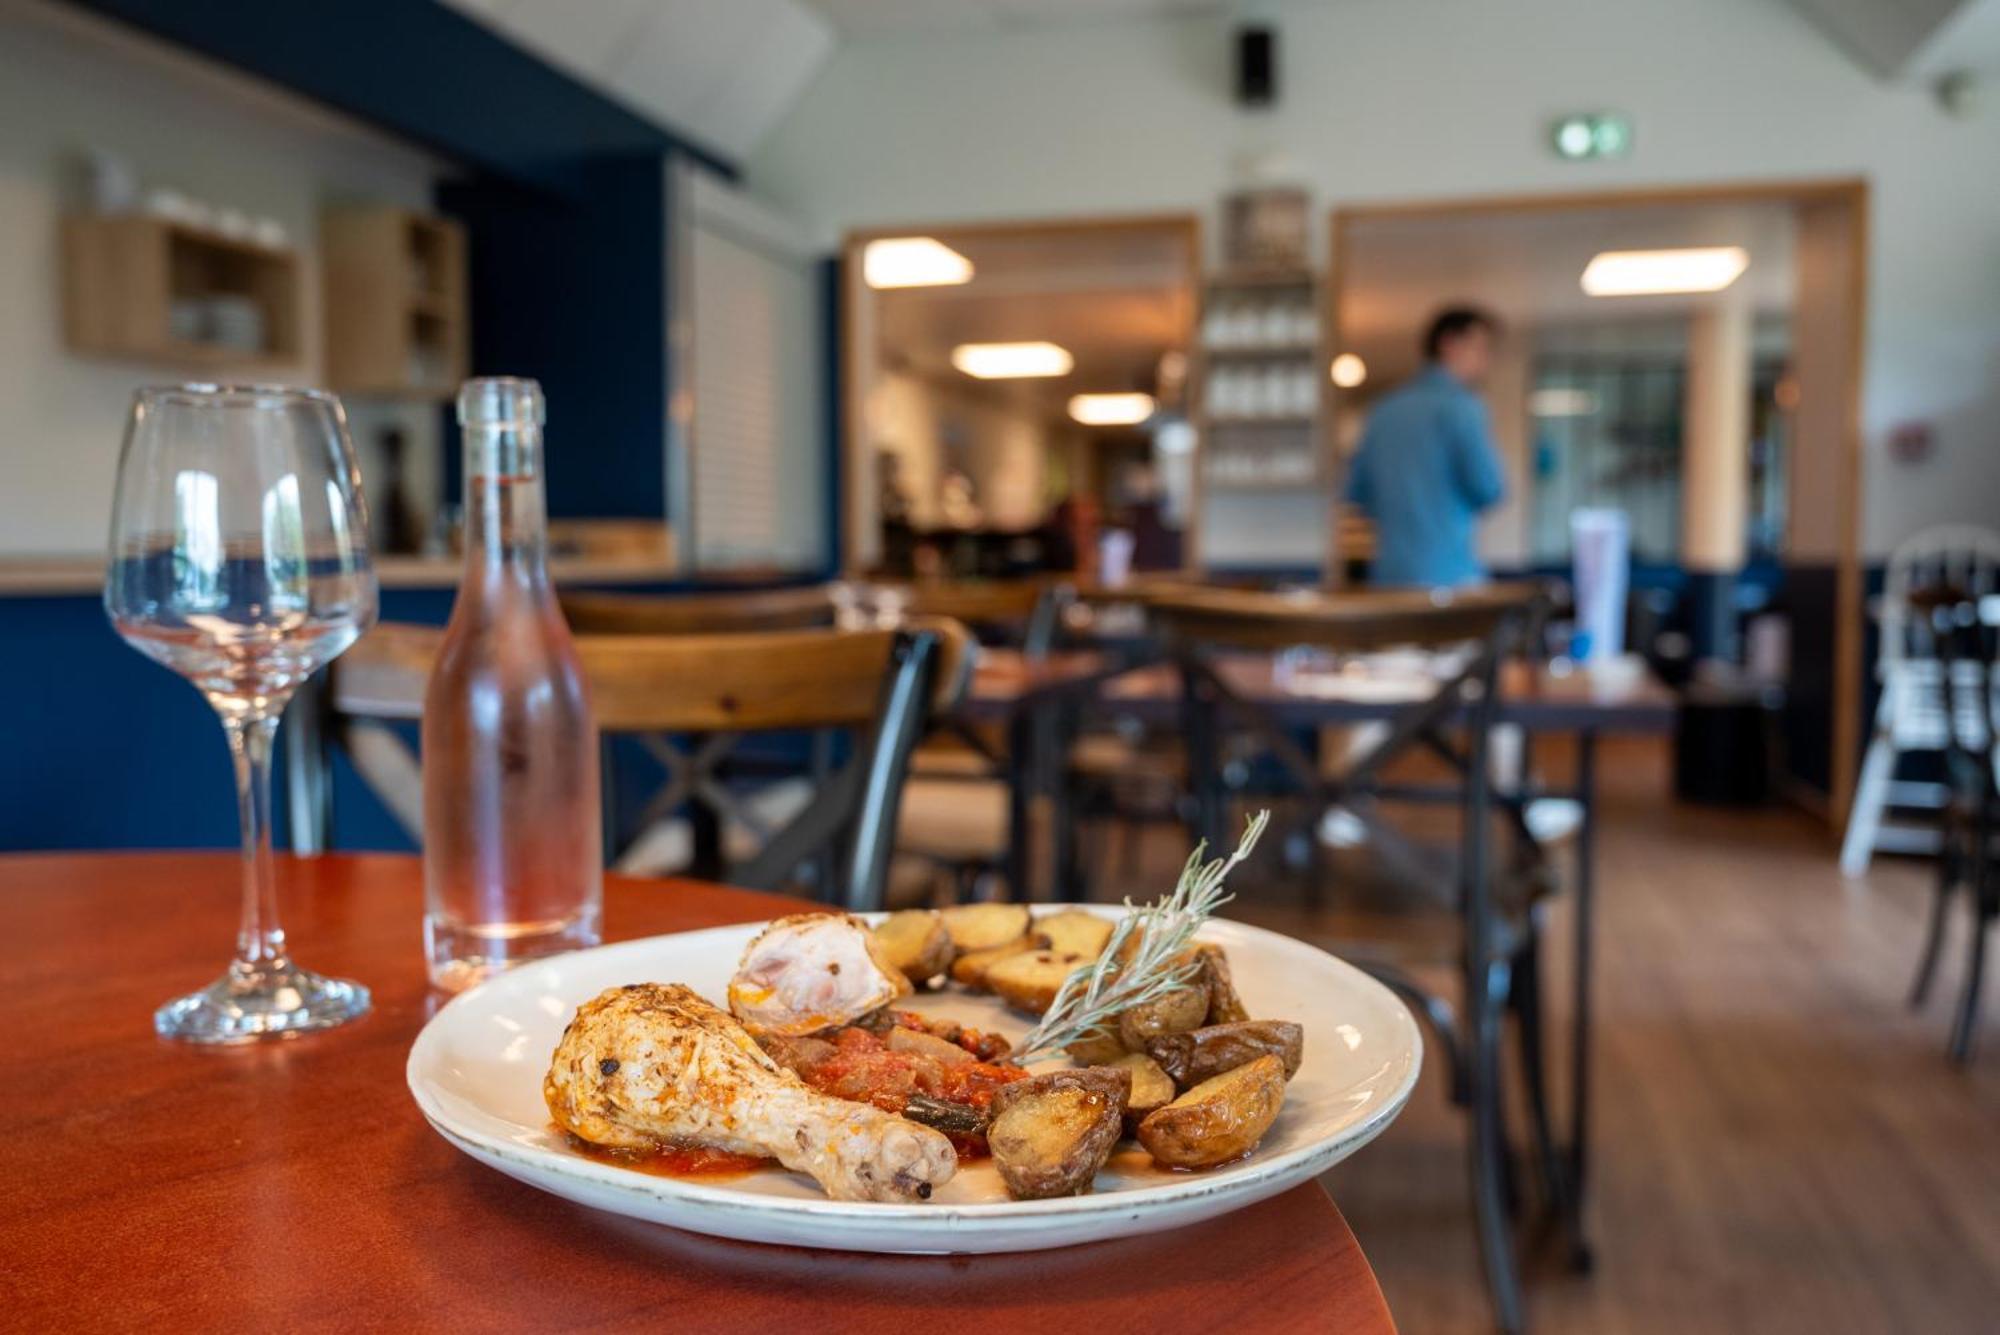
{"x": 1256, "y": 66}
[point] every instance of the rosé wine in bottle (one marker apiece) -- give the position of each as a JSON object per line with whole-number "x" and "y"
{"x": 513, "y": 835}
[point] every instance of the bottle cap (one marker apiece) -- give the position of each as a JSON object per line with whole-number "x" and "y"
{"x": 501, "y": 400}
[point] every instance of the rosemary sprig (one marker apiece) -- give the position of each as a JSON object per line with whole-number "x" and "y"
{"x": 1095, "y": 994}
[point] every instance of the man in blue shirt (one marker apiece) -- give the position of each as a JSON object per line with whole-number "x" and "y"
{"x": 1427, "y": 466}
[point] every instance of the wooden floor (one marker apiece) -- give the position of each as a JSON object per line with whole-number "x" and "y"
{"x": 1780, "y": 1143}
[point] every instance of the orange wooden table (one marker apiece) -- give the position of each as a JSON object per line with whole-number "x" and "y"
{"x": 295, "y": 1184}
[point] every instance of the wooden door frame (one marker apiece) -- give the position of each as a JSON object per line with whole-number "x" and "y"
{"x": 1849, "y": 192}
{"x": 854, "y": 289}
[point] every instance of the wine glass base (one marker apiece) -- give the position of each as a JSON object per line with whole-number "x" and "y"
{"x": 276, "y": 1000}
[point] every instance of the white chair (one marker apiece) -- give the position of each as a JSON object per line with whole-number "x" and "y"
{"x": 1910, "y": 717}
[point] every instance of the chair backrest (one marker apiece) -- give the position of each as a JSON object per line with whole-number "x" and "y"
{"x": 1198, "y": 615}
{"x": 1957, "y": 628}
{"x": 699, "y": 613}
{"x": 752, "y": 681}
{"x": 1023, "y": 612}
{"x": 881, "y": 685}
{"x": 1965, "y": 557}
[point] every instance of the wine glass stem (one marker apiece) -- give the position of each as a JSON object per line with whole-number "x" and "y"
{"x": 260, "y": 942}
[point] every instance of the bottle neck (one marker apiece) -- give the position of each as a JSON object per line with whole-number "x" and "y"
{"x": 506, "y": 515}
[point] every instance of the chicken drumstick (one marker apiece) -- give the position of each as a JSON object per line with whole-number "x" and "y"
{"x": 653, "y": 1064}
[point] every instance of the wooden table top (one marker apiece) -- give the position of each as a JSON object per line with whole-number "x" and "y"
{"x": 150, "y": 1183}
{"x": 1005, "y": 680}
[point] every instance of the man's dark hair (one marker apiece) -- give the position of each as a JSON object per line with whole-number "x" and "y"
{"x": 1452, "y": 321}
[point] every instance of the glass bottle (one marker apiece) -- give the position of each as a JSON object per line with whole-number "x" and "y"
{"x": 513, "y": 837}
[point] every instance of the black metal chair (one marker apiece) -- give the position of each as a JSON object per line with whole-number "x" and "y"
{"x": 1963, "y": 639}
{"x": 958, "y": 806}
{"x": 707, "y": 691}
{"x": 1496, "y": 902}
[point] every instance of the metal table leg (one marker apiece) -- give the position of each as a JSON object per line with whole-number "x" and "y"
{"x": 1580, "y": 1038}
{"x": 1020, "y": 794}
{"x": 1063, "y": 727}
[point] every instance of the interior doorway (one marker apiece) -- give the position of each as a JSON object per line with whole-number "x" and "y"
{"x": 1016, "y": 392}
{"x": 1591, "y": 394}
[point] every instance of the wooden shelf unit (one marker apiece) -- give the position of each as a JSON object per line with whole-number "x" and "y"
{"x": 124, "y": 275}
{"x": 396, "y": 320}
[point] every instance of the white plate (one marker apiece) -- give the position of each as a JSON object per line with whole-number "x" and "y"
{"x": 476, "y": 1071}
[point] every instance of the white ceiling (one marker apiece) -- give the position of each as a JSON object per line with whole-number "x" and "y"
{"x": 862, "y": 17}
{"x": 721, "y": 72}
{"x": 1525, "y": 268}
{"x": 1968, "y": 40}
{"x": 1898, "y": 39}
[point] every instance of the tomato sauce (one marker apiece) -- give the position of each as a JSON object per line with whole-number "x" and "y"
{"x": 675, "y": 1160}
{"x": 864, "y": 1069}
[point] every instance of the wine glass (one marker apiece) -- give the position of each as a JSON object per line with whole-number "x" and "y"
{"x": 239, "y": 558}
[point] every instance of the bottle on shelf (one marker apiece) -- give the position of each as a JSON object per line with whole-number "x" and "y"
{"x": 513, "y": 834}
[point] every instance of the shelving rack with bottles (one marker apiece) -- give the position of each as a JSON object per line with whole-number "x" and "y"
{"x": 1261, "y": 402}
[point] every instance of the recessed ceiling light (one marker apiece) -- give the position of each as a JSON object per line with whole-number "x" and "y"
{"x": 913, "y": 261}
{"x": 1349, "y": 371}
{"x": 1111, "y": 409}
{"x": 1648, "y": 273}
{"x": 1011, "y": 361}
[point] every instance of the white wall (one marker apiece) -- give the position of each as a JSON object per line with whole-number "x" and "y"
{"x": 1003, "y": 450}
{"x": 1403, "y": 99}
{"x": 66, "y": 85}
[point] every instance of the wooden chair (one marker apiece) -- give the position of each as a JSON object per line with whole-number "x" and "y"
{"x": 1908, "y": 720}
{"x": 696, "y": 696}
{"x": 956, "y": 803}
{"x": 1958, "y": 629}
{"x": 1496, "y": 941}
{"x": 1021, "y": 612}
{"x": 805, "y": 608}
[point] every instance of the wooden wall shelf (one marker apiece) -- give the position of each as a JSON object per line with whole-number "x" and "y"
{"x": 154, "y": 290}
{"x": 395, "y": 303}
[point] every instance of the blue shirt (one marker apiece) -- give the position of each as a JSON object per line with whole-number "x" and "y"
{"x": 1425, "y": 469}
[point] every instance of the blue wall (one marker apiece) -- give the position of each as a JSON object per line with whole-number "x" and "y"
{"x": 571, "y": 290}
{"x": 419, "y": 70}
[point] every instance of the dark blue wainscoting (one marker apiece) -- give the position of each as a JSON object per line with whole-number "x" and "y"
{"x": 106, "y": 749}
{"x": 102, "y": 748}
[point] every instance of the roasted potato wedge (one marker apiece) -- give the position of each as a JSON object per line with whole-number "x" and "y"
{"x": 1151, "y": 1088}
{"x": 1175, "y": 1012}
{"x": 1218, "y": 1120}
{"x": 1031, "y": 979}
{"x": 984, "y": 926}
{"x": 1051, "y": 1133}
{"x": 900, "y": 1039}
{"x": 1201, "y": 1054}
{"x": 1073, "y": 932}
{"x": 970, "y": 967}
{"x": 1100, "y": 1047}
{"x": 915, "y": 941}
{"x": 1224, "y": 1005}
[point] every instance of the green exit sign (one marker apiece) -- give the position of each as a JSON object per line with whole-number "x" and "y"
{"x": 1597, "y": 135}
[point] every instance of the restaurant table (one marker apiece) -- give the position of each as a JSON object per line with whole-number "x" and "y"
{"x": 295, "y": 1184}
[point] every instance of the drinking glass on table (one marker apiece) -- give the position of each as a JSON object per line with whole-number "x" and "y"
{"x": 239, "y": 558}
